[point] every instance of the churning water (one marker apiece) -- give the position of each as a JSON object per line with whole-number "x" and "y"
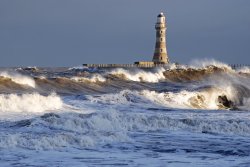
{"x": 185, "y": 116}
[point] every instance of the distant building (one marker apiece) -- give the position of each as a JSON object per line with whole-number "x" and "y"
{"x": 160, "y": 53}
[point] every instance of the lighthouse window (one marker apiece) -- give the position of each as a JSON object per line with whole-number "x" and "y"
{"x": 161, "y": 50}
{"x": 161, "y": 39}
{"x": 161, "y": 32}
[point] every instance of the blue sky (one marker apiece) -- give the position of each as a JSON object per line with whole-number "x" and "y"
{"x": 73, "y": 32}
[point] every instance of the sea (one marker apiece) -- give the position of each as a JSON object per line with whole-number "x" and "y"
{"x": 172, "y": 116}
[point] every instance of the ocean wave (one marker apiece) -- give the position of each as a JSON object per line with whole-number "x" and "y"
{"x": 212, "y": 97}
{"x": 56, "y": 131}
{"x": 18, "y": 78}
{"x": 34, "y": 102}
{"x": 117, "y": 79}
{"x": 204, "y": 63}
{"x": 83, "y": 69}
{"x": 140, "y": 75}
{"x": 92, "y": 78}
{"x": 244, "y": 70}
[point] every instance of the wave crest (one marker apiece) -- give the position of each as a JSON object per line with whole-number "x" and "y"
{"x": 19, "y": 79}
{"x": 140, "y": 75}
{"x": 80, "y": 130}
{"x": 29, "y": 103}
{"x": 93, "y": 78}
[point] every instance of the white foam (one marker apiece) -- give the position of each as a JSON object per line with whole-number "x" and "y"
{"x": 35, "y": 102}
{"x": 78, "y": 68}
{"x": 42, "y": 77}
{"x": 186, "y": 99}
{"x": 113, "y": 126}
{"x": 140, "y": 75}
{"x": 203, "y": 63}
{"x": 244, "y": 70}
{"x": 92, "y": 78}
{"x": 19, "y": 79}
{"x": 207, "y": 99}
{"x": 203, "y": 99}
{"x": 110, "y": 124}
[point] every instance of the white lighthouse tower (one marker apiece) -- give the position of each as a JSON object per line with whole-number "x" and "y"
{"x": 160, "y": 53}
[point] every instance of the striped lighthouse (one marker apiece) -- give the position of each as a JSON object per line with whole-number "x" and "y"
{"x": 160, "y": 53}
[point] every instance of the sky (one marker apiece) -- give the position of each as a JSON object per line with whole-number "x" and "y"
{"x": 56, "y": 33}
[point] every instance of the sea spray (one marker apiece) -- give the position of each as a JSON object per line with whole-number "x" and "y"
{"x": 109, "y": 127}
{"x": 18, "y": 78}
{"x": 140, "y": 75}
{"x": 245, "y": 70}
{"x": 92, "y": 78}
{"x": 203, "y": 63}
{"x": 29, "y": 102}
{"x": 210, "y": 98}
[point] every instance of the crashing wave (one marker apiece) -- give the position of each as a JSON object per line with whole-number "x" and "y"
{"x": 93, "y": 78}
{"x": 83, "y": 69}
{"x": 18, "y": 78}
{"x": 244, "y": 70}
{"x": 140, "y": 75}
{"x": 199, "y": 64}
{"x": 117, "y": 79}
{"x": 86, "y": 130}
{"x": 29, "y": 103}
{"x": 210, "y": 98}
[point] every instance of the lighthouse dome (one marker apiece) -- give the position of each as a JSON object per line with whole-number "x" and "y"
{"x": 161, "y": 15}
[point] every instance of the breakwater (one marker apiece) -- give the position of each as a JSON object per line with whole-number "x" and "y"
{"x": 125, "y": 65}
{"x": 237, "y": 66}
{"x": 149, "y": 65}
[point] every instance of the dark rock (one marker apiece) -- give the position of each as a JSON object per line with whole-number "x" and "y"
{"x": 223, "y": 100}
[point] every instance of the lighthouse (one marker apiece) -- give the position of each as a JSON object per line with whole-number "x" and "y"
{"x": 160, "y": 53}
{"x": 160, "y": 58}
